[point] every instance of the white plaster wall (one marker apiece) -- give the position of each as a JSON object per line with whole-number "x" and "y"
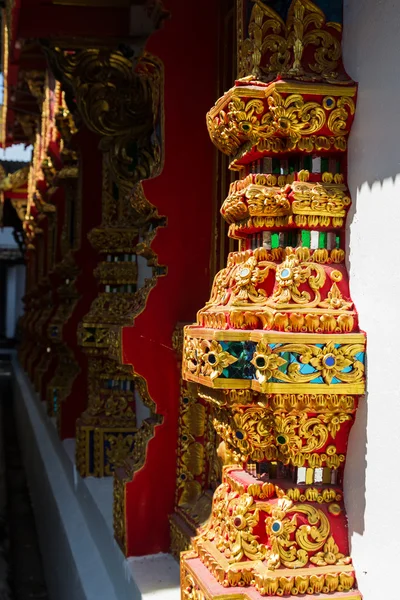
{"x": 11, "y": 295}
{"x": 15, "y": 292}
{"x": 372, "y": 481}
{"x": 21, "y": 278}
{"x": 7, "y": 238}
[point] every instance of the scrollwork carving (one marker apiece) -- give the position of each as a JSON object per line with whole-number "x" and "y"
{"x": 119, "y": 99}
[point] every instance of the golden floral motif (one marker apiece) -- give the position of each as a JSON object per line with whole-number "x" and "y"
{"x": 266, "y": 362}
{"x": 214, "y": 359}
{"x": 330, "y": 555}
{"x": 292, "y": 117}
{"x": 245, "y": 116}
{"x": 207, "y": 358}
{"x": 335, "y": 299}
{"x": 290, "y": 275}
{"x": 236, "y": 284}
{"x": 246, "y": 278}
{"x": 331, "y": 361}
{"x": 328, "y": 360}
{"x": 233, "y": 533}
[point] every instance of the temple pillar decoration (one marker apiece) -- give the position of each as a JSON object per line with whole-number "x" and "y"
{"x": 42, "y": 197}
{"x": 69, "y": 209}
{"x": 129, "y": 123}
{"x": 198, "y": 467}
{"x": 277, "y": 351}
{"x": 14, "y": 186}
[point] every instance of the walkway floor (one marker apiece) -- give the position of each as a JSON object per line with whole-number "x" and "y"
{"x": 21, "y": 570}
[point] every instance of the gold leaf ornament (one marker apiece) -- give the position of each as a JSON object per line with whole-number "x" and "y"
{"x": 266, "y": 362}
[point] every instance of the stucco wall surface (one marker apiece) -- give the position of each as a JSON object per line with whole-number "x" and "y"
{"x": 372, "y": 481}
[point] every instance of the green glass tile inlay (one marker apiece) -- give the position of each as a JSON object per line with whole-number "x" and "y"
{"x": 337, "y": 241}
{"x": 338, "y": 166}
{"x": 292, "y": 165}
{"x": 322, "y": 239}
{"x": 276, "y": 165}
{"x": 324, "y": 165}
{"x": 305, "y": 238}
{"x": 274, "y": 240}
{"x": 307, "y": 164}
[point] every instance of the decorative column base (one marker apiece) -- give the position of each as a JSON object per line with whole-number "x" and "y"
{"x": 197, "y": 583}
{"x": 244, "y": 507}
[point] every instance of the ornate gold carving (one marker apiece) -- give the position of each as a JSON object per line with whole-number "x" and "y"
{"x": 265, "y": 362}
{"x": 179, "y": 541}
{"x": 198, "y": 466}
{"x": 36, "y": 83}
{"x": 14, "y": 181}
{"x": 206, "y": 358}
{"x": 116, "y": 309}
{"x": 266, "y": 118}
{"x": 315, "y": 403}
{"x": 274, "y": 47}
{"x": 65, "y": 122}
{"x": 296, "y": 533}
{"x": 120, "y": 101}
{"x": 330, "y": 555}
{"x": 119, "y": 239}
{"x": 329, "y": 361}
{"x": 120, "y": 447}
{"x": 193, "y": 589}
{"x": 100, "y": 331}
{"x": 290, "y": 275}
{"x": 260, "y": 196}
{"x": 322, "y": 199}
{"x": 119, "y": 513}
{"x": 240, "y": 297}
{"x": 116, "y": 273}
{"x": 292, "y": 438}
{"x": 60, "y": 386}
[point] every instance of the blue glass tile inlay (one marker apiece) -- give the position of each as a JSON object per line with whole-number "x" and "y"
{"x": 244, "y": 352}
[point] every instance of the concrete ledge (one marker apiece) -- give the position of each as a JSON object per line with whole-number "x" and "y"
{"x": 74, "y": 518}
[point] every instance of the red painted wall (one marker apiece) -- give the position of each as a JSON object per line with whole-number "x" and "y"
{"x": 187, "y": 45}
{"x": 87, "y": 259}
